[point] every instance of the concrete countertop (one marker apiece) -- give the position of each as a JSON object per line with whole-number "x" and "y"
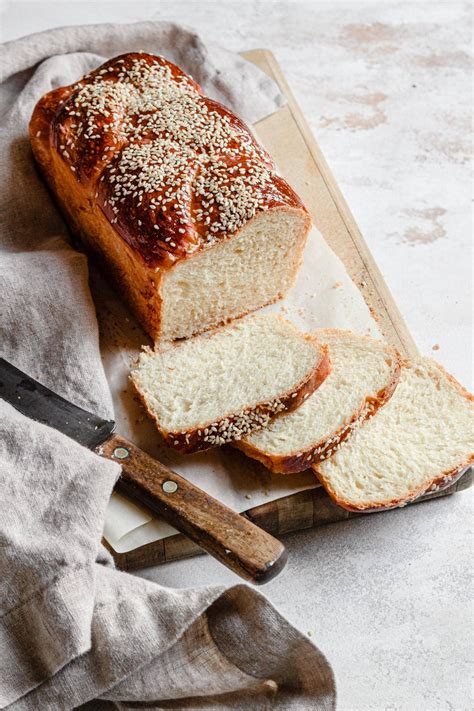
{"x": 386, "y": 89}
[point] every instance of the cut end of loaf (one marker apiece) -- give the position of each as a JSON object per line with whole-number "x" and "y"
{"x": 210, "y": 389}
{"x": 251, "y": 269}
{"x": 420, "y": 441}
{"x": 364, "y": 375}
{"x": 188, "y": 216}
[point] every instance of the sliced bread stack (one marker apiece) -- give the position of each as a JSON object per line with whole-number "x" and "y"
{"x": 218, "y": 387}
{"x": 364, "y": 375}
{"x": 378, "y": 432}
{"x": 422, "y": 440}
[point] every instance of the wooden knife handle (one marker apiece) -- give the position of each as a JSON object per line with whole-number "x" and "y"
{"x": 231, "y": 538}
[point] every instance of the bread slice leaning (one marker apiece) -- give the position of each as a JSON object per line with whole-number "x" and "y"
{"x": 364, "y": 375}
{"x": 214, "y": 388}
{"x": 420, "y": 441}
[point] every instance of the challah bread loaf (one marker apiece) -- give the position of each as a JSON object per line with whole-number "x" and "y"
{"x": 211, "y": 389}
{"x": 421, "y": 440}
{"x": 363, "y": 377}
{"x": 172, "y": 192}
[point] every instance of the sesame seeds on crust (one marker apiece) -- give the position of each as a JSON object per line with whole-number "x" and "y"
{"x": 242, "y": 423}
{"x": 173, "y": 171}
{"x": 228, "y": 429}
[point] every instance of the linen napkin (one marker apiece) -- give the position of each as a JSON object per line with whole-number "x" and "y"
{"x": 74, "y": 631}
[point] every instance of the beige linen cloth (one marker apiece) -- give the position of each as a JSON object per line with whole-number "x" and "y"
{"x": 74, "y": 631}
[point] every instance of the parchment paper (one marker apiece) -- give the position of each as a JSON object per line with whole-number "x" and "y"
{"x": 323, "y": 296}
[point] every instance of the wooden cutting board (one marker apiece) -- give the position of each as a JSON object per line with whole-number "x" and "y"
{"x": 287, "y": 137}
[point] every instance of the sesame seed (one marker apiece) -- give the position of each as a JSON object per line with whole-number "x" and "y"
{"x": 195, "y": 161}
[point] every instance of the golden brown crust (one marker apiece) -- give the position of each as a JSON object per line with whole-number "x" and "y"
{"x": 438, "y": 483}
{"x": 140, "y": 232}
{"x": 209, "y": 435}
{"x": 139, "y": 285}
{"x": 114, "y": 124}
{"x": 457, "y": 385}
{"x": 304, "y": 458}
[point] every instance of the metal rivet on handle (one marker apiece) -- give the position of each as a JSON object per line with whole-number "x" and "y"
{"x": 121, "y": 453}
{"x": 169, "y": 487}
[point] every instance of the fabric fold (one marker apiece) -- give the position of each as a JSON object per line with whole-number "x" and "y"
{"x": 225, "y": 76}
{"x": 44, "y": 633}
{"x": 75, "y": 632}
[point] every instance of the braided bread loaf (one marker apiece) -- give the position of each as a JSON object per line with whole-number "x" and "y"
{"x": 172, "y": 192}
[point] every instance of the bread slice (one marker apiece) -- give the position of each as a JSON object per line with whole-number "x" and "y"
{"x": 420, "y": 441}
{"x": 364, "y": 375}
{"x": 212, "y": 389}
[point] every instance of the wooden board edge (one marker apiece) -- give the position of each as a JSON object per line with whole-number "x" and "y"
{"x": 269, "y": 517}
{"x": 324, "y": 510}
{"x": 371, "y": 274}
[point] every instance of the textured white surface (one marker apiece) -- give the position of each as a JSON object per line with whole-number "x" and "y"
{"x": 386, "y": 90}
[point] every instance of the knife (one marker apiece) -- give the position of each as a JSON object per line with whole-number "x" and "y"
{"x": 231, "y": 538}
